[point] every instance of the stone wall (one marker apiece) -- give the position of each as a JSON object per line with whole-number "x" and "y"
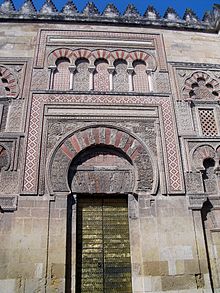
{"x": 161, "y": 132}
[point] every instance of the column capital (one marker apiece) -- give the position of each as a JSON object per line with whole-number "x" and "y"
{"x": 52, "y": 67}
{"x": 130, "y": 70}
{"x": 111, "y": 70}
{"x": 72, "y": 68}
{"x": 91, "y": 69}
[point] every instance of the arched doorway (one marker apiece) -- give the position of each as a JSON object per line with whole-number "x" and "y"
{"x": 102, "y": 163}
{"x": 101, "y": 178}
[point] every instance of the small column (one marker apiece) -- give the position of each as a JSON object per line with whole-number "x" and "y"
{"x": 130, "y": 79}
{"x": 111, "y": 71}
{"x": 52, "y": 69}
{"x": 150, "y": 82}
{"x": 91, "y": 77}
{"x": 72, "y": 69}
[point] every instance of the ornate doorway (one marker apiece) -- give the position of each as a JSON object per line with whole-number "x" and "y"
{"x": 102, "y": 168}
{"x": 101, "y": 177}
{"x": 103, "y": 263}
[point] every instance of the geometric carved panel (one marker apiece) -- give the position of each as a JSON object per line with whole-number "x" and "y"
{"x": 171, "y": 150}
{"x": 208, "y": 124}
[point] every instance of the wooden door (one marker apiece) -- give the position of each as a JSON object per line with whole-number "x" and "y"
{"x": 103, "y": 262}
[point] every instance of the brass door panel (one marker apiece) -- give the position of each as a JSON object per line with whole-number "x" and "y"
{"x": 103, "y": 262}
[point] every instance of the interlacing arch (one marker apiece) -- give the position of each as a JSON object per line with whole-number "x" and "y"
{"x": 201, "y": 85}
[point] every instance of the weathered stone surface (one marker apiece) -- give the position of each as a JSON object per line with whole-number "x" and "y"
{"x": 97, "y": 110}
{"x": 131, "y": 12}
{"x": 171, "y": 14}
{"x": 69, "y": 8}
{"x": 27, "y": 7}
{"x": 111, "y": 11}
{"x": 7, "y": 6}
{"x": 151, "y": 13}
{"x": 90, "y": 10}
{"x": 48, "y": 8}
{"x": 190, "y": 16}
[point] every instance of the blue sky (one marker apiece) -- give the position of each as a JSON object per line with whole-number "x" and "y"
{"x": 199, "y": 6}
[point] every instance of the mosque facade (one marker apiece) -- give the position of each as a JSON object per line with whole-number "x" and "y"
{"x": 109, "y": 150}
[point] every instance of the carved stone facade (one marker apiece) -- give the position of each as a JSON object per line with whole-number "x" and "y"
{"x": 98, "y": 115}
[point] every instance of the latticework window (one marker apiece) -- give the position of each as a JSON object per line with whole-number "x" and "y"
{"x": 208, "y": 123}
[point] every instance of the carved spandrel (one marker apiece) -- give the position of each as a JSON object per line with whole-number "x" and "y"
{"x": 14, "y": 117}
{"x": 194, "y": 184}
{"x": 40, "y": 79}
{"x": 161, "y": 82}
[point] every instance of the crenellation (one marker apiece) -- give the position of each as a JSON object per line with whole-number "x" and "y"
{"x": 111, "y": 14}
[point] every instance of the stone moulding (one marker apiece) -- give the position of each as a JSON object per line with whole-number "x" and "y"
{"x": 196, "y": 201}
{"x": 31, "y": 168}
{"x": 8, "y": 203}
{"x": 90, "y": 13}
{"x": 47, "y": 37}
